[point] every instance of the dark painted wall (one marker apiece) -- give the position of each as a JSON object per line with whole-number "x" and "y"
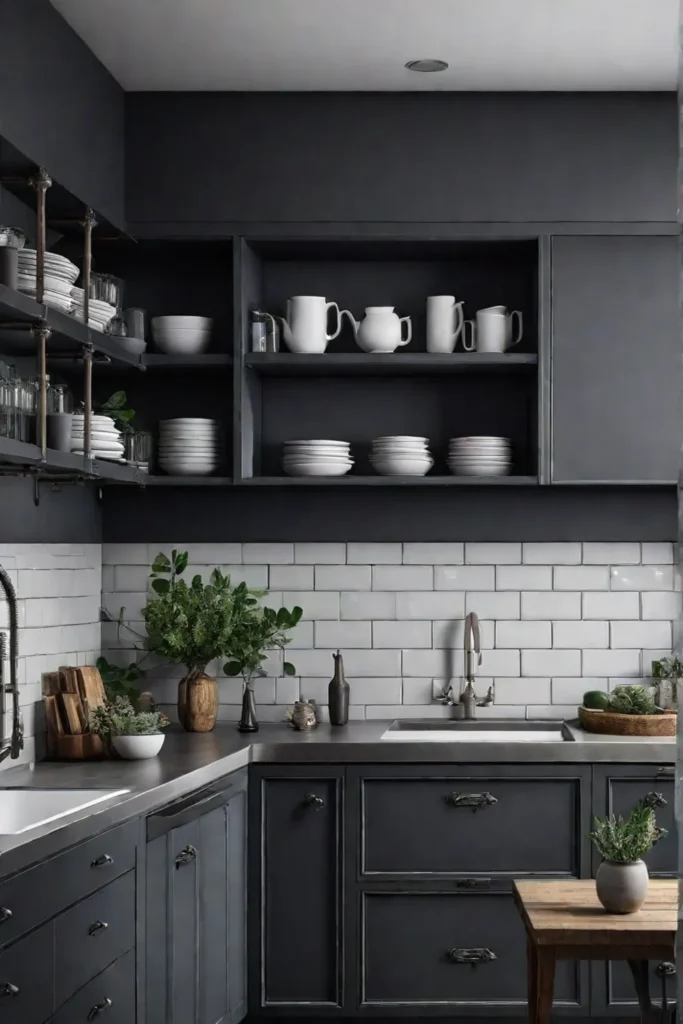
{"x": 67, "y": 514}
{"x": 59, "y": 106}
{"x": 401, "y": 157}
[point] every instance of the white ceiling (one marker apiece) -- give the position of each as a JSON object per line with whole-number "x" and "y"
{"x": 364, "y": 44}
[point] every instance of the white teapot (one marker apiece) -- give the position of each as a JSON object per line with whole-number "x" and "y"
{"x": 381, "y": 329}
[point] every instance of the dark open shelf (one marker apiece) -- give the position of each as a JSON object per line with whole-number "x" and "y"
{"x": 340, "y": 364}
{"x": 157, "y": 361}
{"x": 390, "y": 481}
{"x": 152, "y": 480}
{"x": 20, "y": 453}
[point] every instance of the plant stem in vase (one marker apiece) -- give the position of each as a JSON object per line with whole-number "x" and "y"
{"x": 248, "y": 721}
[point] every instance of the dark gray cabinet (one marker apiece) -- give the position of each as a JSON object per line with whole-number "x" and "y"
{"x": 296, "y": 887}
{"x": 616, "y": 380}
{"x": 618, "y": 788}
{"x": 196, "y": 909}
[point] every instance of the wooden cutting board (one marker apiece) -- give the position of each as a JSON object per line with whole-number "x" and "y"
{"x": 91, "y": 686}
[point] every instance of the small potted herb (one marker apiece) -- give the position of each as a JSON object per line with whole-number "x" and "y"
{"x": 134, "y": 735}
{"x": 622, "y": 879}
{"x": 666, "y": 673}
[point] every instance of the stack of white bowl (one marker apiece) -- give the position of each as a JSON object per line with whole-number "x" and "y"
{"x": 182, "y": 335}
{"x": 189, "y": 446}
{"x": 60, "y": 275}
{"x": 105, "y": 439}
{"x": 401, "y": 456}
{"x": 479, "y": 456}
{"x": 317, "y": 458}
{"x": 99, "y": 312}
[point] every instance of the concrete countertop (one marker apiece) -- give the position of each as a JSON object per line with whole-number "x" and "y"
{"x": 188, "y": 762}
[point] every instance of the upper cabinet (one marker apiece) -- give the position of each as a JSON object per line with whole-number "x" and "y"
{"x": 616, "y": 359}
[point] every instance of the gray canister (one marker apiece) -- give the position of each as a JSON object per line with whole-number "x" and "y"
{"x": 338, "y": 694}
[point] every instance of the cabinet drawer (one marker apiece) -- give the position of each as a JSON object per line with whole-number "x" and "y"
{"x": 474, "y": 824}
{"x": 93, "y": 934}
{"x": 110, "y": 997}
{"x": 412, "y": 943}
{"x": 27, "y": 979}
{"x": 36, "y": 895}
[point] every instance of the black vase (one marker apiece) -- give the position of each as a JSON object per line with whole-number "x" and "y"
{"x": 338, "y": 694}
{"x": 248, "y": 722}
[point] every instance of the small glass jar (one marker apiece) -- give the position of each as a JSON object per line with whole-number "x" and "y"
{"x": 59, "y": 398}
{"x": 13, "y": 238}
{"x": 138, "y": 449}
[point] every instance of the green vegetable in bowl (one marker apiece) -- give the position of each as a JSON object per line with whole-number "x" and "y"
{"x": 596, "y": 700}
{"x": 632, "y": 700}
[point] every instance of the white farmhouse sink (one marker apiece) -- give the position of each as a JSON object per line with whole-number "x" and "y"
{"x": 24, "y": 809}
{"x": 477, "y": 731}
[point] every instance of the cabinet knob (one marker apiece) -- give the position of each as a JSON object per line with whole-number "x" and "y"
{"x": 471, "y": 956}
{"x": 654, "y": 800}
{"x": 186, "y": 856}
{"x": 97, "y": 926}
{"x": 101, "y": 861}
{"x": 475, "y": 801}
{"x": 316, "y": 802}
{"x": 8, "y": 989}
{"x": 99, "y": 1008}
{"x": 665, "y": 969}
{"x": 5, "y": 914}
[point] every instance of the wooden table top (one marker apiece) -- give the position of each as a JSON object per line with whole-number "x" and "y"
{"x": 568, "y": 913}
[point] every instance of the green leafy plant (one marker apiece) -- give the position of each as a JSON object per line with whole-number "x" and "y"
{"x": 118, "y": 717}
{"x": 624, "y": 840}
{"x": 667, "y": 668}
{"x": 632, "y": 700}
{"x": 257, "y": 631}
{"x": 121, "y": 682}
{"x": 116, "y": 407}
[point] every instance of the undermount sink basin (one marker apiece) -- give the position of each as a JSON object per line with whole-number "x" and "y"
{"x": 477, "y": 731}
{"x": 24, "y": 809}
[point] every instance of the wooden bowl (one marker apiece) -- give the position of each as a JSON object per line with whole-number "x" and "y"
{"x": 610, "y": 724}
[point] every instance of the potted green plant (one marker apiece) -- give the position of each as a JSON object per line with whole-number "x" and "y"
{"x": 134, "y": 735}
{"x": 256, "y": 631}
{"x": 622, "y": 879}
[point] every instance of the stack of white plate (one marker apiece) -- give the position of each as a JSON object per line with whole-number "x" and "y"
{"x": 105, "y": 438}
{"x": 401, "y": 456}
{"x": 189, "y": 446}
{"x": 99, "y": 312}
{"x": 60, "y": 274}
{"x": 317, "y": 458}
{"x": 479, "y": 456}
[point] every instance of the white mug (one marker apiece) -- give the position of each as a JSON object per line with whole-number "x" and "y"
{"x": 493, "y": 331}
{"x": 444, "y": 323}
{"x": 305, "y": 328}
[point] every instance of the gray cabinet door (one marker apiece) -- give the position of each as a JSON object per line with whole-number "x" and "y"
{"x": 296, "y": 922}
{"x": 618, "y": 788}
{"x": 183, "y": 869}
{"x": 616, "y": 360}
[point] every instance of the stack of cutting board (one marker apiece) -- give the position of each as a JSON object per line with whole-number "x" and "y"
{"x": 69, "y": 696}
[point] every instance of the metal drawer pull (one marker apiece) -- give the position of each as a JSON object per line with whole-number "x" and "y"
{"x": 654, "y": 800}
{"x": 316, "y": 802}
{"x": 8, "y": 989}
{"x": 97, "y": 926}
{"x": 665, "y": 772}
{"x": 665, "y": 969}
{"x": 186, "y": 856}
{"x": 102, "y": 861}
{"x": 5, "y": 914}
{"x": 471, "y": 956}
{"x": 473, "y": 800}
{"x": 99, "y": 1008}
{"x": 473, "y": 883}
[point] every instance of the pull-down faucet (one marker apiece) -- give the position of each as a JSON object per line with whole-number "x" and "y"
{"x": 472, "y": 649}
{"x": 16, "y": 742}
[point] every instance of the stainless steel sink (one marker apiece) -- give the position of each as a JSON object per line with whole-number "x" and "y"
{"x": 24, "y": 809}
{"x": 477, "y": 731}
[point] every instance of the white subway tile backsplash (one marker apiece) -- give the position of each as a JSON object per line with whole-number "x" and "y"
{"x": 447, "y": 553}
{"x": 344, "y": 577}
{"x": 419, "y": 691}
{"x": 287, "y": 689}
{"x": 571, "y": 691}
{"x": 366, "y": 664}
{"x": 522, "y": 691}
{"x": 374, "y": 554}
{"x": 642, "y": 577}
{"x": 375, "y": 691}
{"x": 493, "y": 605}
{"x": 372, "y": 604}
{"x": 566, "y": 553}
{"x": 318, "y": 604}
{"x": 580, "y": 634}
{"x": 393, "y": 634}
{"x": 492, "y": 554}
{"x": 500, "y": 663}
{"x": 524, "y": 577}
{"x": 464, "y": 577}
{"x": 551, "y": 663}
{"x": 205, "y": 554}
{"x": 343, "y": 634}
{"x": 450, "y": 633}
{"x": 544, "y": 605}
{"x": 550, "y": 712}
{"x": 320, "y": 554}
{"x": 607, "y": 553}
{"x": 661, "y": 604}
{"x": 301, "y": 637}
{"x": 523, "y": 633}
{"x": 122, "y": 554}
{"x": 657, "y": 553}
{"x": 268, "y": 554}
{"x": 128, "y": 578}
{"x": 641, "y": 634}
{"x": 402, "y": 577}
{"x": 430, "y": 605}
{"x": 291, "y": 577}
{"x": 610, "y": 663}
{"x": 581, "y": 577}
{"x": 612, "y": 605}
{"x": 436, "y": 664}
{"x": 255, "y": 576}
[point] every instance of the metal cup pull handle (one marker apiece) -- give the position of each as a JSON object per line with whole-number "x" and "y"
{"x": 316, "y": 802}
{"x": 654, "y": 800}
{"x": 97, "y": 926}
{"x": 8, "y": 989}
{"x": 186, "y": 856}
{"x": 102, "y": 861}
{"x": 475, "y": 801}
{"x": 473, "y": 957}
{"x": 5, "y": 914}
{"x": 99, "y": 1008}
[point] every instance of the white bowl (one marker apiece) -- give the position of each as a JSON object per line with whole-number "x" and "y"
{"x": 318, "y": 441}
{"x": 186, "y": 344}
{"x": 317, "y": 468}
{"x": 201, "y": 323}
{"x": 401, "y": 437}
{"x": 480, "y": 470}
{"x": 137, "y": 748}
{"x": 403, "y": 467}
{"x": 314, "y": 453}
{"x": 183, "y": 469}
{"x": 188, "y": 421}
{"x": 136, "y": 346}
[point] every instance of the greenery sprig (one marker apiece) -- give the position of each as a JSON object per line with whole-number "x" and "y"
{"x": 119, "y": 718}
{"x": 624, "y": 840}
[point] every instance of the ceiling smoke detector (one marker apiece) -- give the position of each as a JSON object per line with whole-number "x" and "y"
{"x": 426, "y": 65}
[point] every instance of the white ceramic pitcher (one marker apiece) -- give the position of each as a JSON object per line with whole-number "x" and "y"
{"x": 444, "y": 323}
{"x": 493, "y": 331}
{"x": 305, "y": 327}
{"x": 381, "y": 329}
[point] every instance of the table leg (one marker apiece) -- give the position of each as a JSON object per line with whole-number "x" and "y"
{"x": 641, "y": 980}
{"x": 532, "y": 979}
{"x": 540, "y": 982}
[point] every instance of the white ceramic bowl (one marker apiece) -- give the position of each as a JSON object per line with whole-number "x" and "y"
{"x": 136, "y": 346}
{"x": 189, "y": 421}
{"x": 182, "y": 469}
{"x": 402, "y": 437}
{"x": 137, "y": 748}
{"x": 317, "y": 441}
{"x": 313, "y": 453}
{"x": 181, "y": 343}
{"x": 403, "y": 467}
{"x": 480, "y": 470}
{"x": 197, "y": 323}
{"x": 318, "y": 468}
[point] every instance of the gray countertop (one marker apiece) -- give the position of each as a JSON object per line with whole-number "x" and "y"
{"x": 188, "y": 762}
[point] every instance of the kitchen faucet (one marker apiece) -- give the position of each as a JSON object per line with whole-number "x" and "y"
{"x": 472, "y": 649}
{"x": 16, "y": 742}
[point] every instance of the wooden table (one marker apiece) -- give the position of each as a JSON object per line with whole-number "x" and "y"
{"x": 565, "y": 920}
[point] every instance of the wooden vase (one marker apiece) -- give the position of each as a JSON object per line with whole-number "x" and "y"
{"x": 197, "y": 702}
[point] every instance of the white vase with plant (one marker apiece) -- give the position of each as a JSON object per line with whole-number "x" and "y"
{"x": 622, "y": 879}
{"x": 134, "y": 735}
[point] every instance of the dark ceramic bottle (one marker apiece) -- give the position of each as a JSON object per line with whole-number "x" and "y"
{"x": 338, "y": 694}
